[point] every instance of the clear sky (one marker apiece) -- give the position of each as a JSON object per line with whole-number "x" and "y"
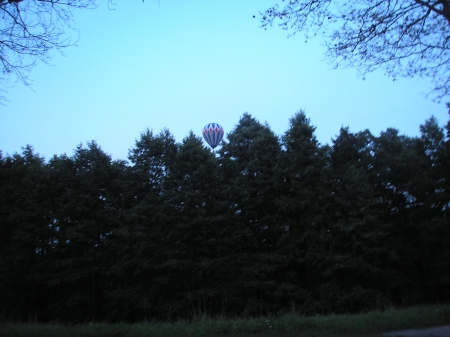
{"x": 180, "y": 65}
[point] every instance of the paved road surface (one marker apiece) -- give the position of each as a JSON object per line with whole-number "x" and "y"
{"x": 441, "y": 331}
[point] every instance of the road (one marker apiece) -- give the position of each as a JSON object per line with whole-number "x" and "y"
{"x": 441, "y": 331}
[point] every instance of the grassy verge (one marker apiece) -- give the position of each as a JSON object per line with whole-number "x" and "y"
{"x": 369, "y": 324}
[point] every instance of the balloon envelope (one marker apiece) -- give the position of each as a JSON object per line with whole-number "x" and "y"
{"x": 213, "y": 134}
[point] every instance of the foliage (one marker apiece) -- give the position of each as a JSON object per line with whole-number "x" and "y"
{"x": 264, "y": 227}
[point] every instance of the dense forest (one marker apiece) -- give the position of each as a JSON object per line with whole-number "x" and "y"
{"x": 265, "y": 225}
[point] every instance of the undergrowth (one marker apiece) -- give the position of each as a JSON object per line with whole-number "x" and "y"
{"x": 368, "y": 324}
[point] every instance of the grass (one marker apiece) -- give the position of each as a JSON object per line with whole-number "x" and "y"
{"x": 369, "y": 324}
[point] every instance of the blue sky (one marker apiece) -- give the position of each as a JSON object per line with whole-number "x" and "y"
{"x": 183, "y": 64}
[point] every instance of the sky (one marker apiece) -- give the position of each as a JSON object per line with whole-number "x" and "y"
{"x": 180, "y": 65}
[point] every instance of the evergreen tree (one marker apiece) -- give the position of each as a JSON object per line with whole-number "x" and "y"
{"x": 446, "y": 170}
{"x": 403, "y": 182}
{"x": 144, "y": 236}
{"x": 429, "y": 214}
{"x": 152, "y": 159}
{"x": 27, "y": 235}
{"x": 444, "y": 258}
{"x": 248, "y": 163}
{"x": 88, "y": 215}
{"x": 195, "y": 230}
{"x": 360, "y": 262}
{"x": 300, "y": 207}
{"x": 258, "y": 228}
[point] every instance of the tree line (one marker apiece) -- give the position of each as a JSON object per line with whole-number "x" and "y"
{"x": 264, "y": 226}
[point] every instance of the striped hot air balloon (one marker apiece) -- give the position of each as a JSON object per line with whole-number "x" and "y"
{"x": 213, "y": 134}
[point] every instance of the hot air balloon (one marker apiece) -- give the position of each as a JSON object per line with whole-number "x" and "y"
{"x": 213, "y": 134}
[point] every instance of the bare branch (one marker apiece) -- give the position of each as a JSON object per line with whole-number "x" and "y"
{"x": 404, "y": 37}
{"x": 29, "y": 30}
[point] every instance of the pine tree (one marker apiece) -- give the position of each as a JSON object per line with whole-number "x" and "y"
{"x": 87, "y": 213}
{"x": 359, "y": 263}
{"x": 300, "y": 207}
{"x": 402, "y": 178}
{"x": 28, "y": 235}
{"x": 146, "y": 217}
{"x": 248, "y": 162}
{"x": 195, "y": 232}
{"x": 429, "y": 215}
